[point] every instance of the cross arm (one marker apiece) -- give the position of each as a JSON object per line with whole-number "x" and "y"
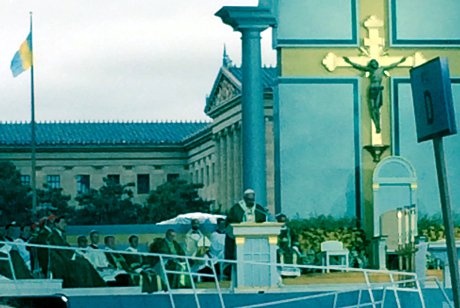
{"x": 331, "y": 61}
{"x": 356, "y": 65}
{"x": 395, "y": 64}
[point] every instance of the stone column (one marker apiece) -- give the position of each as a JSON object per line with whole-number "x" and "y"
{"x": 254, "y": 156}
{"x": 216, "y": 176}
{"x": 230, "y": 169}
{"x": 207, "y": 176}
{"x": 213, "y": 174}
{"x": 218, "y": 170}
{"x": 237, "y": 161}
{"x": 223, "y": 170}
{"x": 251, "y": 21}
{"x": 203, "y": 178}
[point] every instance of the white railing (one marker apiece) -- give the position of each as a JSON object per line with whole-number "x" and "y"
{"x": 396, "y": 281}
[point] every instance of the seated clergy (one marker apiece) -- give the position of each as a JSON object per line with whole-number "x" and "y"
{"x": 26, "y": 232}
{"x": 99, "y": 261}
{"x": 117, "y": 263}
{"x": 197, "y": 245}
{"x": 147, "y": 276}
{"x": 75, "y": 271}
{"x": 9, "y": 251}
{"x": 285, "y": 250}
{"x": 41, "y": 256}
{"x": 217, "y": 249}
{"x": 12, "y": 232}
{"x": 169, "y": 245}
{"x": 94, "y": 239}
{"x": 288, "y": 252}
{"x": 60, "y": 258}
{"x": 82, "y": 242}
{"x": 97, "y": 256}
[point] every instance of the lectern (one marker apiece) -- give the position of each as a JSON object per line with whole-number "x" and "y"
{"x": 256, "y": 242}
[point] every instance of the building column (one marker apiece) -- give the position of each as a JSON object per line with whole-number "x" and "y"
{"x": 213, "y": 175}
{"x": 203, "y": 176}
{"x": 216, "y": 174}
{"x": 251, "y": 21}
{"x": 207, "y": 180}
{"x": 230, "y": 169}
{"x": 237, "y": 161}
{"x": 223, "y": 168}
{"x": 218, "y": 171}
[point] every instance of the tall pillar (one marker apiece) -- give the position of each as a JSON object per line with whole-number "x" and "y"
{"x": 254, "y": 156}
{"x": 218, "y": 175}
{"x": 251, "y": 21}
{"x": 205, "y": 179}
{"x": 223, "y": 168}
{"x": 231, "y": 170}
{"x": 236, "y": 161}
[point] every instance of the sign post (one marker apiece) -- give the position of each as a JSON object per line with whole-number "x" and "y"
{"x": 435, "y": 118}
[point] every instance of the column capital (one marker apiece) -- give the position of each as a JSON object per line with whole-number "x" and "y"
{"x": 236, "y": 126}
{"x": 220, "y": 134}
{"x": 223, "y": 132}
{"x": 241, "y": 18}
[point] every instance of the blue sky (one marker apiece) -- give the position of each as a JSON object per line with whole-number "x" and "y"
{"x": 116, "y": 60}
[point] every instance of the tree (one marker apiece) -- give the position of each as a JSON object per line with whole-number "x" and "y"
{"x": 111, "y": 204}
{"x": 174, "y": 198}
{"x": 52, "y": 200}
{"x": 15, "y": 200}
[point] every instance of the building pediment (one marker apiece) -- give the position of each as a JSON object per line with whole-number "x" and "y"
{"x": 226, "y": 88}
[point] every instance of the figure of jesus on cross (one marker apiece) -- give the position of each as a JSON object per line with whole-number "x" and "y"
{"x": 375, "y": 62}
{"x": 376, "y": 73}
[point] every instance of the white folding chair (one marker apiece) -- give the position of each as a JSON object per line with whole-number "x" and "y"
{"x": 333, "y": 249}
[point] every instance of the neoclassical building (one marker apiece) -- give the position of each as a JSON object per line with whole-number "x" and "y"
{"x": 77, "y": 156}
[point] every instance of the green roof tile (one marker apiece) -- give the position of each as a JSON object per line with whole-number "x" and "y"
{"x": 101, "y": 133}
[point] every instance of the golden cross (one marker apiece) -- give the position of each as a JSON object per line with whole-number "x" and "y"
{"x": 373, "y": 49}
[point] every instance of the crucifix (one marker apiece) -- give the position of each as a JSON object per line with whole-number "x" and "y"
{"x": 375, "y": 62}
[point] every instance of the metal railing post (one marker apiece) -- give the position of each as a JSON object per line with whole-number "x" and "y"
{"x": 420, "y": 294}
{"x": 335, "y": 300}
{"x": 216, "y": 280}
{"x": 398, "y": 303}
{"x": 192, "y": 282}
{"x": 168, "y": 287}
{"x": 369, "y": 288}
{"x": 359, "y": 298}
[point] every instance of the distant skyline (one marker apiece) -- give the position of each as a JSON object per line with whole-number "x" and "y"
{"x": 148, "y": 60}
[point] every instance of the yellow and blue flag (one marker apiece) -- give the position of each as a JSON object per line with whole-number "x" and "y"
{"x": 22, "y": 59}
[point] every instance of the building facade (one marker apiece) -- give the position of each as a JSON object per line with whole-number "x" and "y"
{"x": 78, "y": 156}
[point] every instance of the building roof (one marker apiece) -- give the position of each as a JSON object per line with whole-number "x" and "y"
{"x": 227, "y": 85}
{"x": 101, "y": 133}
{"x": 269, "y": 75}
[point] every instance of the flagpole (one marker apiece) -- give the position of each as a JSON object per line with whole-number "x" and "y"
{"x": 32, "y": 126}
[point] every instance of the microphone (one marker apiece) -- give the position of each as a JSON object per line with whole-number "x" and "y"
{"x": 268, "y": 215}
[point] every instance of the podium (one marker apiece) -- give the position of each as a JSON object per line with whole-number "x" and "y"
{"x": 256, "y": 242}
